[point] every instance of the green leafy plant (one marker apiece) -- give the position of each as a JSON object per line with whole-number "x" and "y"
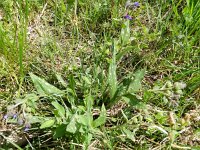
{"x": 78, "y": 118}
{"x": 72, "y": 74}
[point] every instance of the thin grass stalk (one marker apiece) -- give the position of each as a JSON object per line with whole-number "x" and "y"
{"x": 2, "y": 43}
{"x": 22, "y": 35}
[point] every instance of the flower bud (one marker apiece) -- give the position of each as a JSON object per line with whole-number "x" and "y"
{"x": 5, "y": 117}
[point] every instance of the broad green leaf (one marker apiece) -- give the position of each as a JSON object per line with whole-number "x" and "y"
{"x": 112, "y": 77}
{"x": 101, "y": 119}
{"x": 71, "y": 127}
{"x": 81, "y": 129}
{"x": 47, "y": 124}
{"x": 43, "y": 87}
{"x": 133, "y": 101}
{"x": 135, "y": 85}
{"x": 59, "y": 108}
{"x": 60, "y": 131}
{"x": 83, "y": 119}
{"x": 86, "y": 119}
{"x": 125, "y": 33}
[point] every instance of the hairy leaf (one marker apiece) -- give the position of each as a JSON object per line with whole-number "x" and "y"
{"x": 71, "y": 127}
{"x": 59, "y": 108}
{"x": 101, "y": 119}
{"x": 112, "y": 76}
{"x": 47, "y": 124}
{"x": 135, "y": 85}
{"x": 125, "y": 33}
{"x": 43, "y": 87}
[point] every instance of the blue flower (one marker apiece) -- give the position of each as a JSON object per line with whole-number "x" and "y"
{"x": 5, "y": 117}
{"x": 130, "y": 5}
{"x": 128, "y": 17}
{"x": 27, "y": 127}
{"x": 136, "y": 4}
{"x": 15, "y": 116}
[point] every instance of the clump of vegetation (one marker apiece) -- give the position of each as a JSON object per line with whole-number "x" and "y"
{"x": 99, "y": 74}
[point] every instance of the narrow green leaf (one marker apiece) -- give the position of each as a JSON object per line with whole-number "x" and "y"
{"x": 125, "y": 33}
{"x": 87, "y": 80}
{"x": 72, "y": 85}
{"x": 47, "y": 124}
{"x": 112, "y": 77}
{"x": 43, "y": 87}
{"x": 162, "y": 130}
{"x": 87, "y": 141}
{"x": 61, "y": 80}
{"x": 89, "y": 101}
{"x": 125, "y": 50}
{"x": 59, "y": 108}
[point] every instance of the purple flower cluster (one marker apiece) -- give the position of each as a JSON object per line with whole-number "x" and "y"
{"x": 6, "y": 116}
{"x": 128, "y": 17}
{"x": 136, "y": 4}
{"x": 19, "y": 120}
{"x": 130, "y": 5}
{"x": 27, "y": 127}
{"x": 133, "y": 6}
